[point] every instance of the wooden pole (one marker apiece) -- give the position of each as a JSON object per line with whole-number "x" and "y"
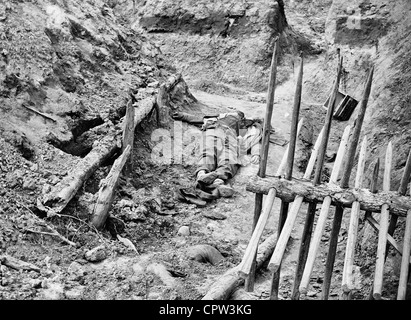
{"x": 312, "y": 207}
{"x": 373, "y": 189}
{"x": 405, "y": 261}
{"x": 285, "y": 233}
{"x": 289, "y": 168}
{"x": 322, "y": 218}
{"x": 246, "y": 264}
{"x": 281, "y": 168}
{"x": 107, "y": 189}
{"x": 128, "y": 135}
{"x": 249, "y": 283}
{"x": 401, "y": 190}
{"x": 347, "y": 281}
{"x": 251, "y": 251}
{"x": 339, "y": 211}
{"x": 227, "y": 283}
{"x": 382, "y": 235}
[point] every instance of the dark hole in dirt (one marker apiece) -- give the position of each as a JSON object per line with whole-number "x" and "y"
{"x": 38, "y": 212}
{"x": 80, "y": 145}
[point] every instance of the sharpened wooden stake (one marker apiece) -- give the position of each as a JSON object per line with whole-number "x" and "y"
{"x": 249, "y": 283}
{"x": 312, "y": 207}
{"x": 382, "y": 235}
{"x": 347, "y": 281}
{"x": 282, "y": 241}
{"x": 289, "y": 168}
{"x": 374, "y": 224}
{"x": 107, "y": 189}
{"x": 128, "y": 135}
{"x": 251, "y": 251}
{"x": 322, "y": 218}
{"x": 283, "y": 163}
{"x": 245, "y": 266}
{"x": 339, "y": 211}
{"x": 405, "y": 261}
{"x": 401, "y": 190}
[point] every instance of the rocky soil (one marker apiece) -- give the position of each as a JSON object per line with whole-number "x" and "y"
{"x": 76, "y": 62}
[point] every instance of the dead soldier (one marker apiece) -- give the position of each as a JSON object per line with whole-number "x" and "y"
{"x": 226, "y": 140}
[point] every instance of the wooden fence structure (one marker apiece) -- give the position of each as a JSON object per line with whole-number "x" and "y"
{"x": 337, "y": 193}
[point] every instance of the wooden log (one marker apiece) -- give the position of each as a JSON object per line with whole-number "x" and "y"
{"x": 369, "y": 201}
{"x": 339, "y": 211}
{"x": 246, "y": 267}
{"x": 250, "y": 253}
{"x": 61, "y": 194}
{"x": 405, "y": 261}
{"x": 347, "y": 280}
{"x": 249, "y": 284}
{"x": 322, "y": 218}
{"x": 227, "y": 283}
{"x": 373, "y": 189}
{"x": 283, "y": 163}
{"x": 374, "y": 224}
{"x": 312, "y": 207}
{"x": 128, "y": 135}
{"x": 17, "y": 264}
{"x": 107, "y": 189}
{"x": 289, "y": 169}
{"x": 284, "y": 236}
{"x": 382, "y": 235}
{"x": 401, "y": 190}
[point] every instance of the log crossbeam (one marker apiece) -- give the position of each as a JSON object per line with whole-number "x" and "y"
{"x": 287, "y": 190}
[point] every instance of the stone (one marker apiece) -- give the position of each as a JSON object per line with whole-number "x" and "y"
{"x": 76, "y": 271}
{"x": 96, "y": 254}
{"x": 29, "y": 184}
{"x": 35, "y": 283}
{"x": 74, "y": 293}
{"x": 184, "y": 231}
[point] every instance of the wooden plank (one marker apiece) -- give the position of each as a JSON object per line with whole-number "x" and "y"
{"x": 347, "y": 280}
{"x": 322, "y": 218}
{"x": 249, "y": 284}
{"x": 382, "y": 235}
{"x": 107, "y": 189}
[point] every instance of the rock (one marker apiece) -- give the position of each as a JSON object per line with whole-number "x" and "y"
{"x": 205, "y": 253}
{"x": 211, "y": 226}
{"x": 184, "y": 231}
{"x": 54, "y": 291}
{"x": 214, "y": 215}
{"x": 74, "y": 293}
{"x": 125, "y": 203}
{"x": 29, "y": 184}
{"x": 96, "y": 254}
{"x": 311, "y": 294}
{"x": 35, "y": 283}
{"x": 76, "y": 271}
{"x": 46, "y": 188}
